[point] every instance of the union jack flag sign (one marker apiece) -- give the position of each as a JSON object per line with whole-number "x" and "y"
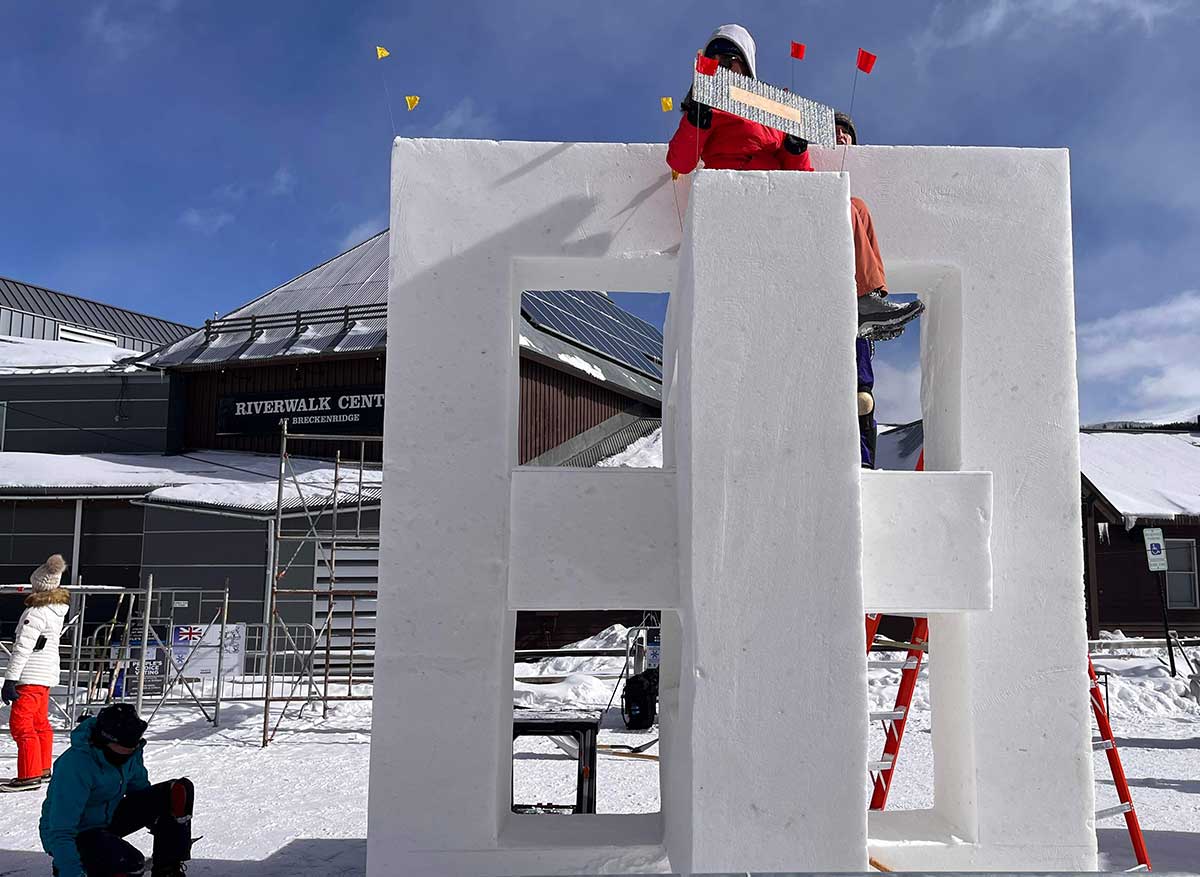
{"x": 188, "y": 634}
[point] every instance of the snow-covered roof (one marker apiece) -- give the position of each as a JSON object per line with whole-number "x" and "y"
{"x": 1144, "y": 474}
{"x": 24, "y": 356}
{"x": 899, "y": 447}
{"x": 645, "y": 453}
{"x": 209, "y": 479}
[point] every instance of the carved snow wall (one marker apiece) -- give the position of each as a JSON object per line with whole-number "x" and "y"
{"x": 761, "y": 538}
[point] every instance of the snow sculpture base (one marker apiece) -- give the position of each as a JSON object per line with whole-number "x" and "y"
{"x": 761, "y": 539}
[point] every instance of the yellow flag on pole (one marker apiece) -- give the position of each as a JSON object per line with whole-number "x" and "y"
{"x": 412, "y": 100}
{"x": 381, "y": 53}
{"x": 668, "y": 104}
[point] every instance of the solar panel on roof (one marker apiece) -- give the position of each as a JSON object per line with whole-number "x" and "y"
{"x": 592, "y": 320}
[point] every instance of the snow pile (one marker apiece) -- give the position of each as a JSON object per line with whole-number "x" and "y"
{"x": 645, "y": 453}
{"x": 1144, "y": 475}
{"x": 577, "y": 690}
{"x": 1140, "y": 681}
{"x": 612, "y": 637}
{"x": 37, "y": 356}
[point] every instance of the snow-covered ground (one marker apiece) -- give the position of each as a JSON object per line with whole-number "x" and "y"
{"x": 299, "y": 806}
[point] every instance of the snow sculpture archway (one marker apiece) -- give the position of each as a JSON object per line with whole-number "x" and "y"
{"x": 761, "y": 537}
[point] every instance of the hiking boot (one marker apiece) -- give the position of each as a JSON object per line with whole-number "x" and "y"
{"x": 21, "y": 785}
{"x": 878, "y": 317}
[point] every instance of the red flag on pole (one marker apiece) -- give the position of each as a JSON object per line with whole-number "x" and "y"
{"x": 707, "y": 66}
{"x": 797, "y": 50}
{"x": 866, "y": 61}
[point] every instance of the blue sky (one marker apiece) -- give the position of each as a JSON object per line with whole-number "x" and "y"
{"x": 180, "y": 157}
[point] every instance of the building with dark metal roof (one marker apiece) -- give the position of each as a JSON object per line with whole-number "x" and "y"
{"x": 588, "y": 368}
{"x": 29, "y": 311}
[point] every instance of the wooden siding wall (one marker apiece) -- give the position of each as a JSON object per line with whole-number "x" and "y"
{"x": 556, "y": 407}
{"x": 1129, "y": 592}
{"x": 202, "y": 390}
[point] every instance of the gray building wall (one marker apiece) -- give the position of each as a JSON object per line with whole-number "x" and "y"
{"x": 88, "y": 413}
{"x": 24, "y": 324}
{"x": 194, "y": 550}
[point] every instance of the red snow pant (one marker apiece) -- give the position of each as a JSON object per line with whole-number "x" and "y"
{"x": 30, "y": 727}
{"x": 868, "y": 264}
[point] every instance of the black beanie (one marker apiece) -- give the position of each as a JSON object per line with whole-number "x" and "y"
{"x": 840, "y": 118}
{"x": 119, "y": 723}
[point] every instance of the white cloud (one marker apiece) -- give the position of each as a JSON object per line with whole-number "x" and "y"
{"x": 463, "y": 120}
{"x": 950, "y": 27}
{"x": 366, "y": 229}
{"x": 128, "y": 25}
{"x": 1140, "y": 364}
{"x": 206, "y": 220}
{"x": 283, "y": 182}
{"x": 122, "y": 36}
{"x": 897, "y": 392}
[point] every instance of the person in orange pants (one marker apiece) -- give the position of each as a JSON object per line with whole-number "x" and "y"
{"x": 32, "y": 671}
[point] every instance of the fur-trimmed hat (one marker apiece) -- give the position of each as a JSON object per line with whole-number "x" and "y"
{"x": 48, "y": 576}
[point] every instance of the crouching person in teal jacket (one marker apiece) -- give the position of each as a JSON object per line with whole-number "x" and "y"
{"x": 99, "y": 793}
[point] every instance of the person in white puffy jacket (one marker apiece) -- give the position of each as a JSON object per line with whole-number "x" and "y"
{"x": 32, "y": 671}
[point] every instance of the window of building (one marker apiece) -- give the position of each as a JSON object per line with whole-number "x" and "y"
{"x": 80, "y": 333}
{"x": 1181, "y": 574}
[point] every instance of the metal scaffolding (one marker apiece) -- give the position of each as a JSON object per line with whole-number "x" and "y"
{"x": 328, "y": 502}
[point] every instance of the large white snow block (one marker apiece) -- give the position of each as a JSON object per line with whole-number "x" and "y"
{"x": 985, "y": 236}
{"x": 770, "y": 539}
{"x": 474, "y": 223}
{"x": 593, "y": 539}
{"x": 927, "y": 541}
{"x": 763, "y": 735}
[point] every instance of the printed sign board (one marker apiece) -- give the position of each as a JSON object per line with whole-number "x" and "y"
{"x": 1156, "y": 549}
{"x": 760, "y": 102}
{"x": 126, "y": 682}
{"x": 204, "y": 647}
{"x": 354, "y": 410}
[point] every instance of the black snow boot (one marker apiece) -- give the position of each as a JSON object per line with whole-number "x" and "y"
{"x": 879, "y": 318}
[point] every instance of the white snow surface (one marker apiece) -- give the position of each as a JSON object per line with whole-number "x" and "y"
{"x": 299, "y": 806}
{"x": 218, "y": 477}
{"x": 1144, "y": 475}
{"x": 645, "y": 453}
{"x": 37, "y": 356}
{"x": 583, "y": 365}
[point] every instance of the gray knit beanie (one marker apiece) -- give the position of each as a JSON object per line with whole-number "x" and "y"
{"x": 47, "y": 576}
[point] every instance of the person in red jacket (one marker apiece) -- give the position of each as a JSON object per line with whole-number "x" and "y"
{"x": 724, "y": 141}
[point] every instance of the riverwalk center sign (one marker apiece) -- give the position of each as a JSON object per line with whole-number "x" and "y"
{"x": 338, "y": 410}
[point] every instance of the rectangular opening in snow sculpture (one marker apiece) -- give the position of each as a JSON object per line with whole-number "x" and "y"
{"x": 760, "y": 539}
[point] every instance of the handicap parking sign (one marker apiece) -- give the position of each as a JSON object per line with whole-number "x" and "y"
{"x": 1156, "y": 556}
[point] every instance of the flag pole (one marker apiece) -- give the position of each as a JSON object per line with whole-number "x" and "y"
{"x": 850, "y": 113}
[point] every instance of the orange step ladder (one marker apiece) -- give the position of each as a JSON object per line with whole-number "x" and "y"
{"x": 1109, "y": 744}
{"x": 895, "y": 719}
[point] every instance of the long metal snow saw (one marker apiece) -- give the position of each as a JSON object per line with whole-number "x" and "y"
{"x": 759, "y": 102}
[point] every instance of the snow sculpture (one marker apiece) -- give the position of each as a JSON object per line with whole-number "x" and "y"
{"x": 760, "y": 538}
